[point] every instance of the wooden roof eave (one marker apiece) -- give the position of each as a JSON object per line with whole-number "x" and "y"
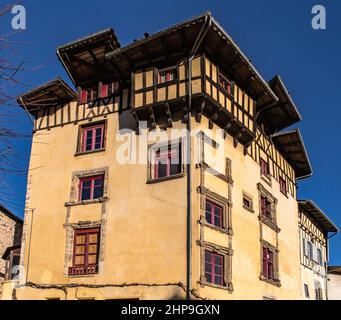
{"x": 38, "y": 98}
{"x": 123, "y": 53}
{"x": 316, "y": 214}
{"x": 85, "y": 44}
{"x": 278, "y": 138}
{"x": 282, "y": 114}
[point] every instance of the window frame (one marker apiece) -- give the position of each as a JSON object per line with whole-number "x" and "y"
{"x": 268, "y": 267}
{"x": 264, "y": 165}
{"x": 221, "y": 208}
{"x": 81, "y": 145}
{"x": 86, "y": 268}
{"x": 250, "y": 201}
{"x": 306, "y": 291}
{"x": 283, "y": 186}
{"x": 115, "y": 88}
{"x": 227, "y": 254}
{"x": 92, "y": 179}
{"x": 222, "y": 76}
{"x": 319, "y": 254}
{"x": 153, "y": 165}
{"x": 213, "y": 273}
{"x": 272, "y": 223}
{"x": 275, "y": 264}
{"x": 167, "y": 70}
{"x": 85, "y": 97}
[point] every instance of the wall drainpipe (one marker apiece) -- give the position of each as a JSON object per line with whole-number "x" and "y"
{"x": 197, "y": 43}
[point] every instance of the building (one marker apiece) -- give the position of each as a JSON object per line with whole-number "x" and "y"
{"x": 334, "y": 283}
{"x": 315, "y": 229}
{"x": 10, "y": 236}
{"x": 211, "y": 212}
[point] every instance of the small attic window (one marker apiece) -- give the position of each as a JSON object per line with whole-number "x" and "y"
{"x": 167, "y": 75}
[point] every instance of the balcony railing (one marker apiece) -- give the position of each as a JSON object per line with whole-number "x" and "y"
{"x": 83, "y": 270}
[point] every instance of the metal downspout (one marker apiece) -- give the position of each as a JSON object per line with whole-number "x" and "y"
{"x": 197, "y": 44}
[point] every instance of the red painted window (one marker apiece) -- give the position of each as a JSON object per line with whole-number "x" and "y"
{"x": 88, "y": 95}
{"x": 214, "y": 214}
{"x": 264, "y": 167}
{"x": 283, "y": 185}
{"x": 92, "y": 138}
{"x": 167, "y": 75}
{"x": 84, "y": 96}
{"x": 109, "y": 89}
{"x": 167, "y": 162}
{"x": 268, "y": 263}
{"x": 85, "y": 254}
{"x": 225, "y": 83}
{"x": 91, "y": 188}
{"x": 214, "y": 268}
{"x": 266, "y": 208}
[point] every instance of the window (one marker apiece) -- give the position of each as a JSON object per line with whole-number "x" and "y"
{"x": 226, "y": 84}
{"x": 283, "y": 185}
{"x": 268, "y": 263}
{"x": 88, "y": 95}
{"x": 264, "y": 167}
{"x": 92, "y": 138}
{"x": 85, "y": 254}
{"x": 306, "y": 291}
{"x": 308, "y": 249}
{"x": 214, "y": 268}
{"x": 110, "y": 89}
{"x": 318, "y": 291}
{"x": 167, "y": 75}
{"x": 12, "y": 263}
{"x": 266, "y": 208}
{"x": 214, "y": 214}
{"x": 319, "y": 257}
{"x": 247, "y": 203}
{"x": 91, "y": 188}
{"x": 166, "y": 161}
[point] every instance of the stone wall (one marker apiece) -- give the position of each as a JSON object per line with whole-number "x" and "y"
{"x": 10, "y": 235}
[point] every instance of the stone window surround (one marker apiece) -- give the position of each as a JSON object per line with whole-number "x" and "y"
{"x": 73, "y": 201}
{"x": 276, "y": 282}
{"x": 70, "y": 230}
{"x": 70, "y": 227}
{"x": 250, "y": 199}
{"x": 222, "y": 202}
{"x": 153, "y": 147}
{"x": 270, "y": 223}
{"x": 227, "y": 255}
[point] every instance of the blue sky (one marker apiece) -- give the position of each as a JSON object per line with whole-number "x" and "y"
{"x": 276, "y": 35}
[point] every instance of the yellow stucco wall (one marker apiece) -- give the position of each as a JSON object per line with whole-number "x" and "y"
{"x": 145, "y": 230}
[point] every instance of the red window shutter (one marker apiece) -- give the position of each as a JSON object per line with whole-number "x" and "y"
{"x": 104, "y": 91}
{"x": 84, "y": 96}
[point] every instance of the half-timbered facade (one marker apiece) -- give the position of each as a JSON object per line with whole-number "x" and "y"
{"x": 315, "y": 229}
{"x": 210, "y": 213}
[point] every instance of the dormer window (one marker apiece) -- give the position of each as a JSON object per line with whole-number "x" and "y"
{"x": 167, "y": 75}
{"x": 226, "y": 84}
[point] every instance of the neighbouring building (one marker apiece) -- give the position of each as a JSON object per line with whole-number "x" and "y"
{"x": 10, "y": 237}
{"x": 334, "y": 283}
{"x": 211, "y": 213}
{"x": 315, "y": 229}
